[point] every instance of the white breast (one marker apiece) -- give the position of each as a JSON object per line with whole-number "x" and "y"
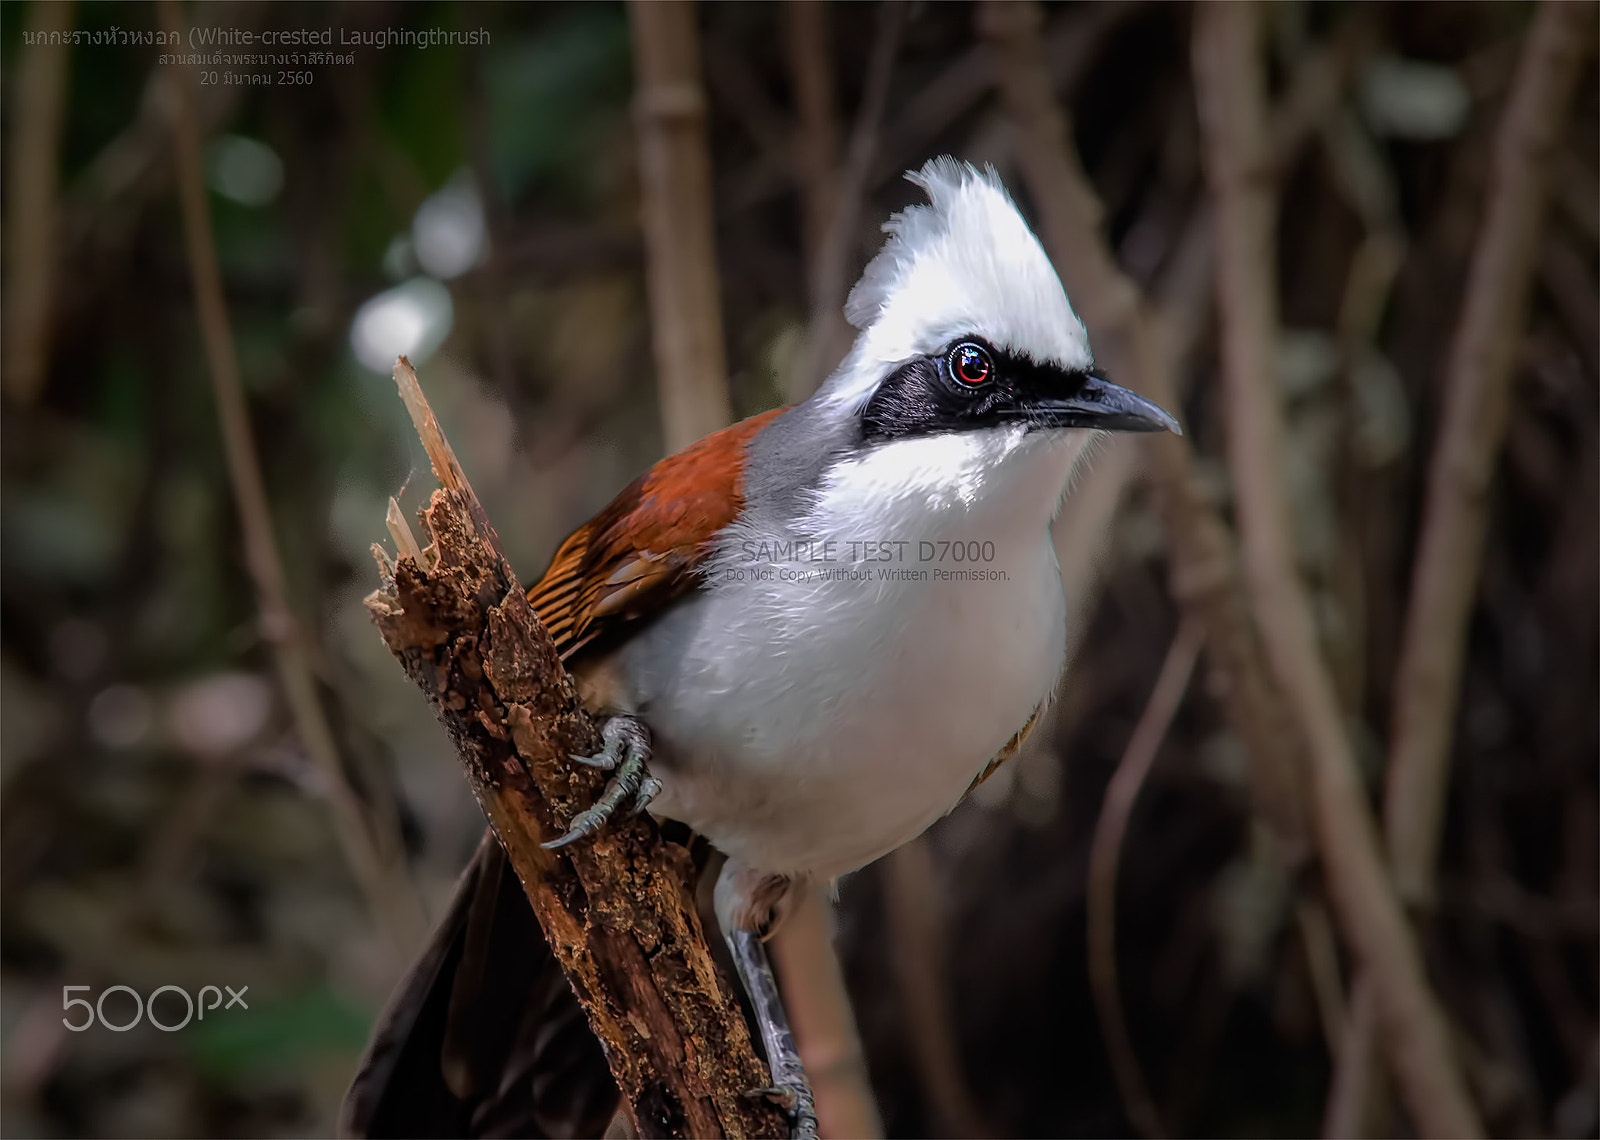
{"x": 815, "y": 709}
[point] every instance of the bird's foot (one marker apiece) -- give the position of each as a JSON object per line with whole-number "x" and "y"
{"x": 626, "y": 749}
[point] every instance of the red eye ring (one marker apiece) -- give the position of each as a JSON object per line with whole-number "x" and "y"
{"x": 969, "y": 364}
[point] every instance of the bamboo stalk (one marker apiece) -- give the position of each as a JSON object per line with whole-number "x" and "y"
{"x": 33, "y": 160}
{"x": 675, "y": 188}
{"x": 816, "y": 137}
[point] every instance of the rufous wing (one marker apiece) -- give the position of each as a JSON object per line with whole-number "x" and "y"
{"x": 646, "y": 547}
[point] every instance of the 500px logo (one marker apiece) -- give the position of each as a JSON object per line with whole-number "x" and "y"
{"x": 142, "y": 1009}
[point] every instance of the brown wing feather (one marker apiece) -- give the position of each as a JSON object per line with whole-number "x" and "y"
{"x": 645, "y": 548}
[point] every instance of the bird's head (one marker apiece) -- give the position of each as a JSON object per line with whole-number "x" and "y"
{"x": 964, "y": 326}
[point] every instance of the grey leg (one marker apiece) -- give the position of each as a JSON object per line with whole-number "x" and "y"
{"x": 626, "y": 748}
{"x": 792, "y": 1090}
{"x": 750, "y": 904}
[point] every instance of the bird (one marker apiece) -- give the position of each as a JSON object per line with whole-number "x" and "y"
{"x": 808, "y": 637}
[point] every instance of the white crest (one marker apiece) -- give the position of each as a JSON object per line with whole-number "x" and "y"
{"x": 966, "y": 264}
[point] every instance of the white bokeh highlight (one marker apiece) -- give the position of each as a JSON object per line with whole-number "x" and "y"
{"x": 448, "y": 233}
{"x": 245, "y": 170}
{"x": 412, "y": 319}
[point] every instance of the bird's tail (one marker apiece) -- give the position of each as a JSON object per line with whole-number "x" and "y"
{"x": 483, "y": 1036}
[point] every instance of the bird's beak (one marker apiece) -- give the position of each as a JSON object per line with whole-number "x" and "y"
{"x": 1104, "y": 406}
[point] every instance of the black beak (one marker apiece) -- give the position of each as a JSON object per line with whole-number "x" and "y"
{"x": 1102, "y": 405}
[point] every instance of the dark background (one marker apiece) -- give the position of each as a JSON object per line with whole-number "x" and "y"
{"x": 162, "y": 824}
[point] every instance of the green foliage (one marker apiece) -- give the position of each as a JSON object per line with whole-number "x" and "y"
{"x": 278, "y": 1035}
{"x": 554, "y": 97}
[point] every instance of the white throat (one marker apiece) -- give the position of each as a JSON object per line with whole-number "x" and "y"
{"x": 1007, "y": 481}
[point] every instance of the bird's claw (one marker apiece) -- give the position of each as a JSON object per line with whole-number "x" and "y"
{"x": 648, "y": 788}
{"x": 626, "y": 748}
{"x": 598, "y": 760}
{"x": 796, "y": 1102}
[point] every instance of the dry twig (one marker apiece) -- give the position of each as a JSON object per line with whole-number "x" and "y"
{"x": 675, "y": 178}
{"x": 373, "y": 852}
{"x": 828, "y": 270}
{"x": 615, "y": 909}
{"x": 1230, "y": 91}
{"x": 1071, "y": 44}
{"x": 1204, "y": 576}
{"x": 1357, "y": 1091}
{"x": 1104, "y": 853}
{"x": 1477, "y": 403}
{"x": 695, "y": 401}
{"x": 1181, "y": 299}
{"x": 1477, "y": 400}
{"x": 1317, "y": 89}
{"x": 1145, "y": 347}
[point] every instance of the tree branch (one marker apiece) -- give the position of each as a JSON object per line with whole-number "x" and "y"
{"x": 1230, "y": 90}
{"x": 675, "y": 166}
{"x": 1071, "y": 45}
{"x": 1358, "y": 1090}
{"x": 808, "y": 965}
{"x": 615, "y": 909}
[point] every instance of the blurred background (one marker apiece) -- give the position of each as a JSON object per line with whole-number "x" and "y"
{"x": 477, "y": 205}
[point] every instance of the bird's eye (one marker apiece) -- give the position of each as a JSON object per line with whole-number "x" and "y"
{"x": 970, "y": 364}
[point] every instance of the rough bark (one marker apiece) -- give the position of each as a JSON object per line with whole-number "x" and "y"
{"x": 616, "y": 908}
